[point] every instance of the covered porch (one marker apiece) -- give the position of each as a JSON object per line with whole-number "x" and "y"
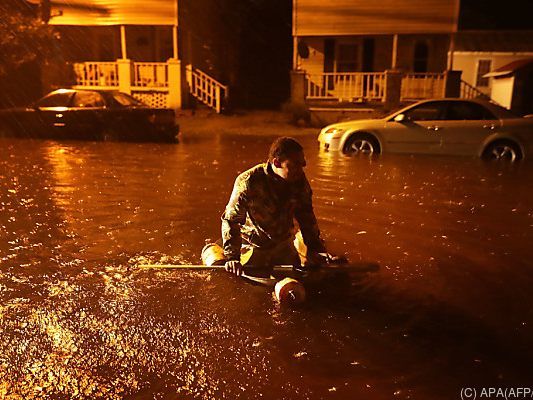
{"x": 387, "y": 69}
{"x": 157, "y": 84}
{"x": 137, "y": 50}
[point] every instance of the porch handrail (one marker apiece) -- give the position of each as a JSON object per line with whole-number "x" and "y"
{"x": 206, "y": 89}
{"x": 471, "y": 92}
{"x": 422, "y": 85}
{"x": 150, "y": 74}
{"x": 96, "y": 73}
{"x": 349, "y": 86}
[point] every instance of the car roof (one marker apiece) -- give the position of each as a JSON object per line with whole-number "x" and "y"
{"x": 498, "y": 110}
{"x": 71, "y": 90}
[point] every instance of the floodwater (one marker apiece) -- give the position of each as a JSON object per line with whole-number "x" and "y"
{"x": 450, "y": 307}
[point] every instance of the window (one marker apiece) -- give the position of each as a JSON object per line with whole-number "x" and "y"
{"x": 347, "y": 57}
{"x": 57, "y": 99}
{"x": 433, "y": 111}
{"x": 463, "y": 110}
{"x": 88, "y": 99}
{"x": 420, "y": 62}
{"x": 483, "y": 67}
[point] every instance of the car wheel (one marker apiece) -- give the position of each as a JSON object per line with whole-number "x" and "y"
{"x": 362, "y": 145}
{"x": 502, "y": 151}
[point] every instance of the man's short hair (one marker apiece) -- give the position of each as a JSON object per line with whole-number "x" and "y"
{"x": 283, "y": 147}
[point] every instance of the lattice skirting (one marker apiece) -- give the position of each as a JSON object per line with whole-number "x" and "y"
{"x": 152, "y": 98}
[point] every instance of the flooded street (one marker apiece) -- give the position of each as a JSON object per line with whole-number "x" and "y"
{"x": 450, "y": 307}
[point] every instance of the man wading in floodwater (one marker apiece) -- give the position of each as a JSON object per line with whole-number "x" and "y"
{"x": 258, "y": 224}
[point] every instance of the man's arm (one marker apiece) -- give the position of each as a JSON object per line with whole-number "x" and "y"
{"x": 232, "y": 219}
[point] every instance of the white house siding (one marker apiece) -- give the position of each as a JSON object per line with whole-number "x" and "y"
{"x": 502, "y": 91}
{"x": 467, "y": 63}
{"x": 314, "y": 64}
{"x": 363, "y": 17}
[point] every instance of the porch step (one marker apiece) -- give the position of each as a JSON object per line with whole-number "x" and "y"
{"x": 206, "y": 89}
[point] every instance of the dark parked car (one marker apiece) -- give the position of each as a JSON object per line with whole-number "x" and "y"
{"x": 90, "y": 115}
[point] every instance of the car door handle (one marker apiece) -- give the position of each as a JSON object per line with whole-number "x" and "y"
{"x": 434, "y": 128}
{"x": 491, "y": 126}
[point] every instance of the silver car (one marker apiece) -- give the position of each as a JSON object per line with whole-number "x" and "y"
{"x": 444, "y": 126}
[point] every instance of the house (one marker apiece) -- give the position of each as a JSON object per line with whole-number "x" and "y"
{"x": 146, "y": 48}
{"x": 478, "y": 52}
{"x": 355, "y": 51}
{"x": 512, "y": 85}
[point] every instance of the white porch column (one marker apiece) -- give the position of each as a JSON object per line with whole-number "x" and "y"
{"x": 393, "y": 89}
{"x": 451, "y": 50}
{"x": 125, "y": 68}
{"x": 175, "y": 31}
{"x": 294, "y": 38}
{"x": 394, "y": 51}
{"x": 175, "y": 42}
{"x": 298, "y": 87}
{"x": 295, "y": 65}
{"x": 123, "y": 42}
{"x": 175, "y": 98}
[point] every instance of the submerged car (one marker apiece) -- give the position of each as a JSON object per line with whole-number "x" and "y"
{"x": 444, "y": 126}
{"x": 90, "y": 115}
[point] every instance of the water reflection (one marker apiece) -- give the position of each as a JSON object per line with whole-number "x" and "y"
{"x": 448, "y": 308}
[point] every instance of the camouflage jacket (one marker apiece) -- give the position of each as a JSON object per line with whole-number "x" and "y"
{"x": 262, "y": 209}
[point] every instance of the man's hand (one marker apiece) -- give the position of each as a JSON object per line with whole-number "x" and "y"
{"x": 335, "y": 259}
{"x": 235, "y": 267}
{"x": 314, "y": 259}
{"x": 320, "y": 259}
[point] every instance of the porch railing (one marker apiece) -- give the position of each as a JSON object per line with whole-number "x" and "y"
{"x": 93, "y": 73}
{"x": 348, "y": 86}
{"x": 427, "y": 85}
{"x": 150, "y": 74}
{"x": 471, "y": 92}
{"x": 149, "y": 81}
{"x": 206, "y": 89}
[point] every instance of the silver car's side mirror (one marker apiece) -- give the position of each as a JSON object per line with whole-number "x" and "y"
{"x": 400, "y": 118}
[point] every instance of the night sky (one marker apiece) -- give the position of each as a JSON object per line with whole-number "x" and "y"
{"x": 496, "y": 14}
